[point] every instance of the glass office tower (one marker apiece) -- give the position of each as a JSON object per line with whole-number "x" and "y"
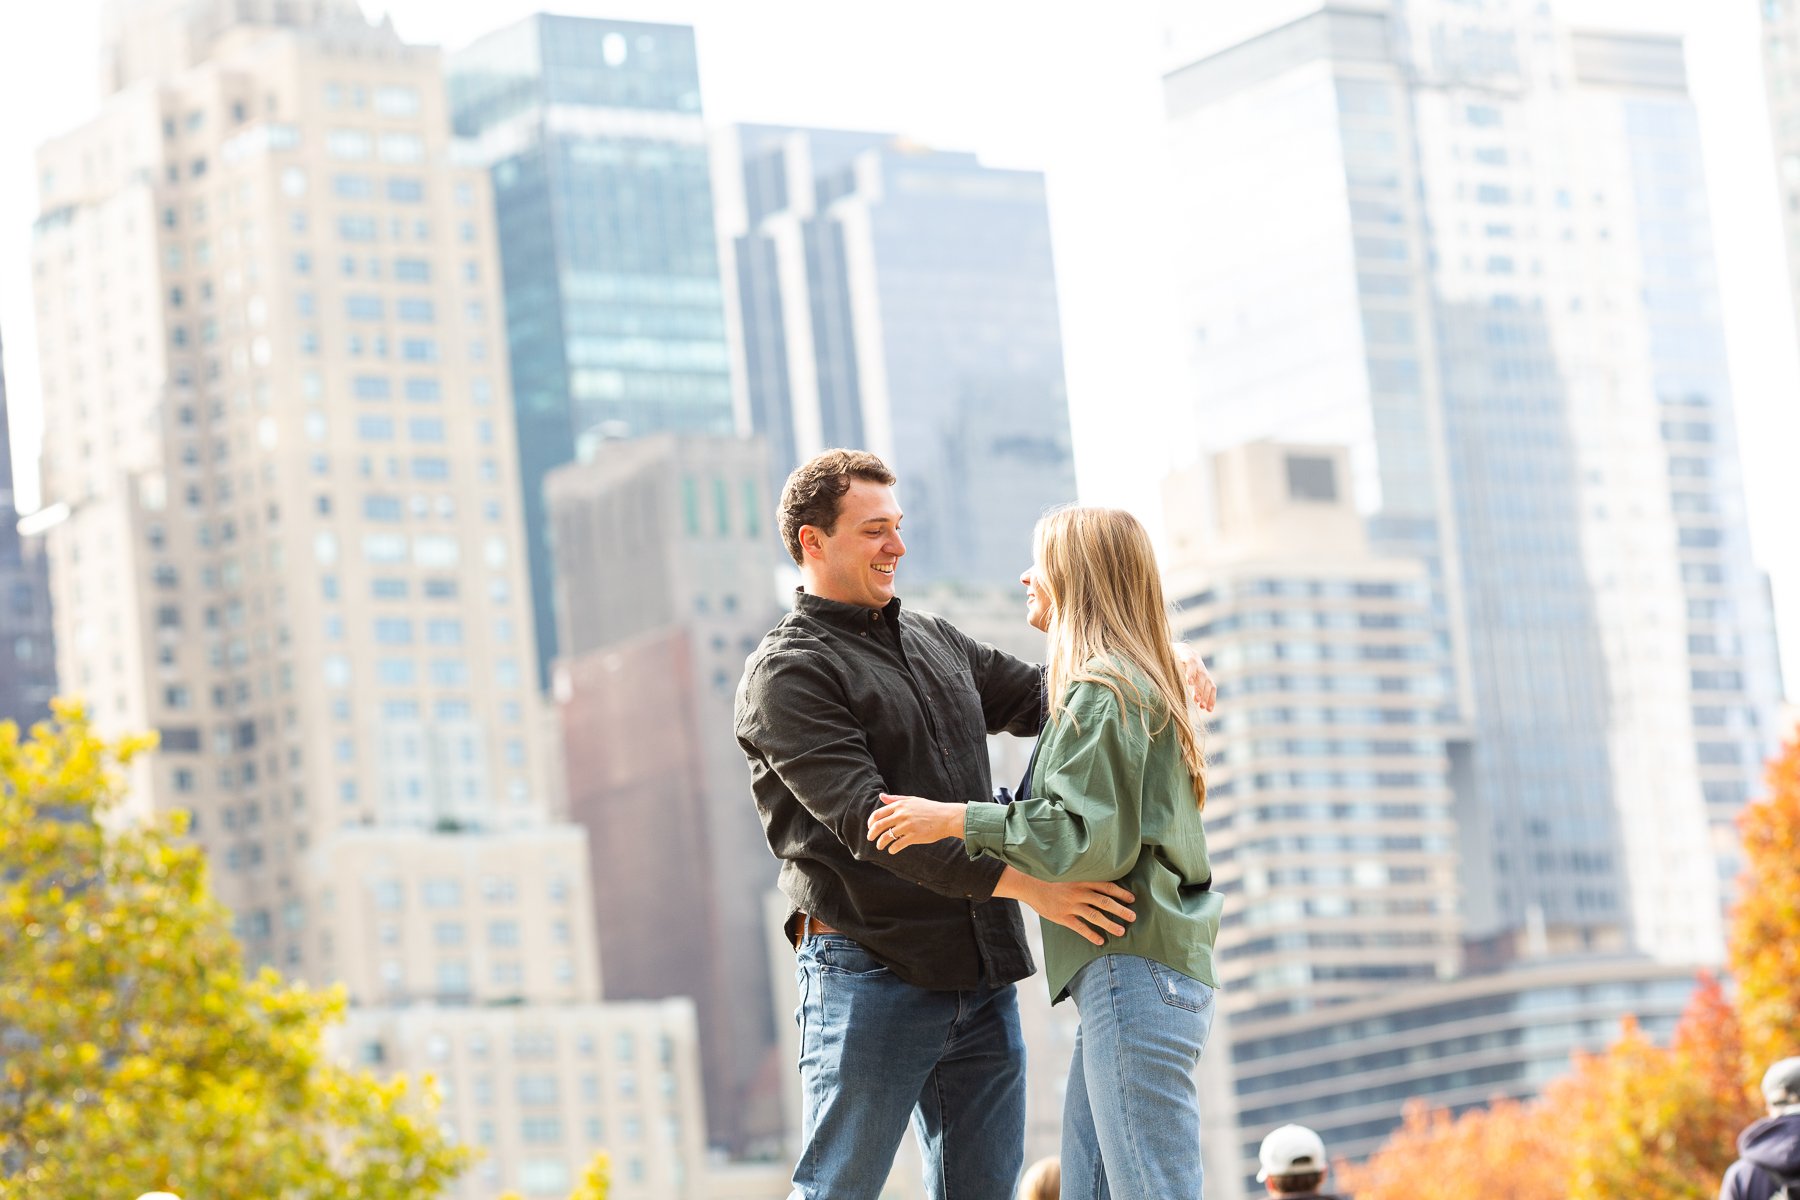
{"x": 904, "y": 300}
{"x": 592, "y": 134}
{"x": 1477, "y": 253}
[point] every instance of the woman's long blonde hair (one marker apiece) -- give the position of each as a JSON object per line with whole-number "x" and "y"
{"x": 1097, "y": 570}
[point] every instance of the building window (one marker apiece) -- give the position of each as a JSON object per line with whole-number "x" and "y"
{"x": 401, "y": 148}
{"x": 1311, "y": 478}
{"x": 442, "y": 893}
{"x": 544, "y": 1176}
{"x": 541, "y": 1131}
{"x": 537, "y": 1089}
{"x": 452, "y": 977}
{"x": 349, "y": 144}
{"x": 393, "y": 631}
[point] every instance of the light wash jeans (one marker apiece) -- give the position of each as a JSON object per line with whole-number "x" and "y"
{"x": 876, "y": 1052}
{"x": 1131, "y": 1118}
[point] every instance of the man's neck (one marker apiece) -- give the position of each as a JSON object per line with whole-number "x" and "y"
{"x": 806, "y": 585}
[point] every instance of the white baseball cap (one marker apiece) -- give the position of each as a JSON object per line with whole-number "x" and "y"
{"x": 1781, "y": 1085}
{"x": 1291, "y": 1150}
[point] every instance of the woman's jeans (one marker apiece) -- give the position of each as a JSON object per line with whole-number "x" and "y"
{"x": 1131, "y": 1118}
{"x": 876, "y": 1053}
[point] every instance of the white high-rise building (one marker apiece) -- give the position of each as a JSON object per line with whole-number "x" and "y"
{"x": 279, "y": 441}
{"x": 1781, "y": 76}
{"x": 1471, "y": 244}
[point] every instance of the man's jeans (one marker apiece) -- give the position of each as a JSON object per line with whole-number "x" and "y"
{"x": 875, "y": 1051}
{"x": 1131, "y": 1117}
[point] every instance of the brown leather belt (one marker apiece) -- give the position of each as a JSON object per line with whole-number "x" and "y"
{"x": 808, "y": 926}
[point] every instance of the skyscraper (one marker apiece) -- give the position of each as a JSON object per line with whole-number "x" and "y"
{"x": 1781, "y": 76}
{"x": 27, "y": 646}
{"x": 664, "y": 548}
{"x": 903, "y": 300}
{"x": 1330, "y": 823}
{"x": 1329, "y": 811}
{"x": 1476, "y": 253}
{"x": 279, "y": 451}
{"x": 592, "y": 134}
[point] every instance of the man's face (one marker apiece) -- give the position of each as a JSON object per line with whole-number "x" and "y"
{"x": 855, "y": 563}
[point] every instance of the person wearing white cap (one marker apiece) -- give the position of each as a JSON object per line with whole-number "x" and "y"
{"x": 1293, "y": 1163}
{"x": 1768, "y": 1165}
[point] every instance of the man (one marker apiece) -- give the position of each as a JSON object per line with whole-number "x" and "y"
{"x": 906, "y": 962}
{"x": 1293, "y": 1163}
{"x": 1769, "y": 1150}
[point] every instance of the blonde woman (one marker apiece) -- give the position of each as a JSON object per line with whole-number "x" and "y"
{"x": 1114, "y": 793}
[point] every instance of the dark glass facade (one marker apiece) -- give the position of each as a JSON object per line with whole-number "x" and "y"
{"x": 27, "y": 648}
{"x": 592, "y": 134}
{"x": 907, "y": 304}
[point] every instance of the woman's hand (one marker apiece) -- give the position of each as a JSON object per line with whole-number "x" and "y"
{"x": 904, "y": 821}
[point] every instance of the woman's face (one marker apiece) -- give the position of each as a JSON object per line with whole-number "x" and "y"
{"x": 1037, "y": 600}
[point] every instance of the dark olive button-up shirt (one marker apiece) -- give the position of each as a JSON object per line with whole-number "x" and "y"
{"x": 841, "y": 703}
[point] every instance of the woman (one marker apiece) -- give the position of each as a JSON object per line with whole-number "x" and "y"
{"x": 1114, "y": 793}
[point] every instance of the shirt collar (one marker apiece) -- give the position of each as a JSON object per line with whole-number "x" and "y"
{"x": 845, "y": 616}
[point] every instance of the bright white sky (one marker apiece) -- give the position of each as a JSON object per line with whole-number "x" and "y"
{"x": 1052, "y": 85}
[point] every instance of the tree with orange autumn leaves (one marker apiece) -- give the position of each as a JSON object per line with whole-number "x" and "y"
{"x": 1639, "y": 1120}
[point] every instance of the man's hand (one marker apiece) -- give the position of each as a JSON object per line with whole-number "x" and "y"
{"x": 1086, "y": 908}
{"x": 903, "y": 821}
{"x": 1199, "y": 681}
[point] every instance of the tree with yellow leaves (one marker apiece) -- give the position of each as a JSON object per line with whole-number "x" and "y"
{"x": 1765, "y": 928}
{"x": 135, "y": 1053}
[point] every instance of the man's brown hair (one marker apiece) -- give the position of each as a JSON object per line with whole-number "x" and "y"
{"x": 815, "y": 491}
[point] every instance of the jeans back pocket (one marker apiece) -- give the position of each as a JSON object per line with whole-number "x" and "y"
{"x": 1182, "y": 991}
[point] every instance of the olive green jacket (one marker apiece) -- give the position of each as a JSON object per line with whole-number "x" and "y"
{"x": 1109, "y": 801}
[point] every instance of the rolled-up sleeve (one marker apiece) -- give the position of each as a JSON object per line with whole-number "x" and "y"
{"x": 794, "y": 721}
{"x": 1083, "y": 820}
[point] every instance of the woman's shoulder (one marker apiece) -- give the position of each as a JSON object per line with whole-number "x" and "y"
{"x": 1110, "y": 682}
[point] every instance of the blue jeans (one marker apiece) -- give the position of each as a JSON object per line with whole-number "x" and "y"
{"x": 1131, "y": 1118}
{"x": 876, "y": 1052}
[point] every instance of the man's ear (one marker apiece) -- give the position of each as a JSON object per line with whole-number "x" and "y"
{"x": 809, "y": 540}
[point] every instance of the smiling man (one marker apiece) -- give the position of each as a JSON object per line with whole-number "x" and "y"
{"x": 906, "y": 962}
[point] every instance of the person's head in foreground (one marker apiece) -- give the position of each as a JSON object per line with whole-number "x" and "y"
{"x": 1293, "y": 1162}
{"x": 1042, "y": 1181}
{"x": 1781, "y": 1087}
{"x": 1094, "y": 587}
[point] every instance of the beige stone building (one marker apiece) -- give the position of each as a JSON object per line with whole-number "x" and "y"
{"x": 285, "y": 532}
{"x": 1329, "y": 807}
